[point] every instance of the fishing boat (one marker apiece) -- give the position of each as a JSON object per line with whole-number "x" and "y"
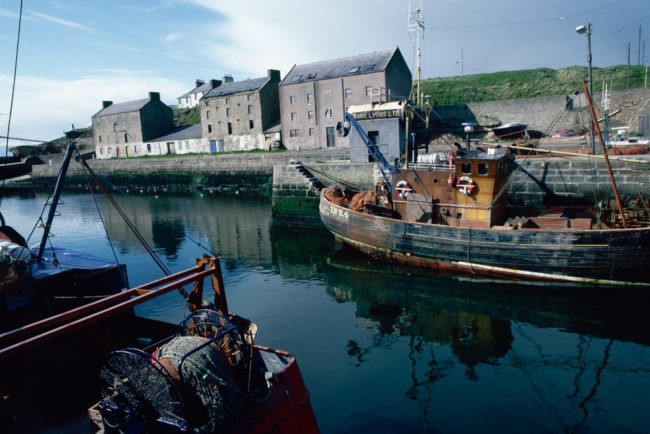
{"x": 514, "y": 130}
{"x": 40, "y": 281}
{"x": 453, "y": 216}
{"x": 208, "y": 377}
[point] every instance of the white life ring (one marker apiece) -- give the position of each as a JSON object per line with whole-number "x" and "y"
{"x": 466, "y": 185}
{"x": 403, "y": 188}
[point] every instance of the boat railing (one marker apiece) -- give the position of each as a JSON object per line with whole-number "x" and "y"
{"x": 440, "y": 167}
{"x": 31, "y": 335}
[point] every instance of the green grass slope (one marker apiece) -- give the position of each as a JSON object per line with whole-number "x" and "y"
{"x": 527, "y": 83}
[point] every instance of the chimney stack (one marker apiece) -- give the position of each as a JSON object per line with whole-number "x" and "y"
{"x": 227, "y": 78}
{"x": 106, "y": 104}
{"x": 214, "y": 83}
{"x": 273, "y": 74}
{"x": 199, "y": 82}
{"x": 154, "y": 96}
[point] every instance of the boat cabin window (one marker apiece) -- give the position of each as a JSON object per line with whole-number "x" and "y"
{"x": 435, "y": 181}
{"x": 482, "y": 169}
{"x": 466, "y": 168}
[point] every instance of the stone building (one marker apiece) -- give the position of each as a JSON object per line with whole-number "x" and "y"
{"x": 185, "y": 139}
{"x": 314, "y": 96}
{"x": 384, "y": 124}
{"x": 240, "y": 115}
{"x": 117, "y": 128}
{"x": 191, "y": 99}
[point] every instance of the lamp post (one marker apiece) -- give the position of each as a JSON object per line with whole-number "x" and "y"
{"x": 587, "y": 30}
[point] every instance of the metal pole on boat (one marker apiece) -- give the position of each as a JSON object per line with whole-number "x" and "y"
{"x": 57, "y": 191}
{"x": 609, "y": 167}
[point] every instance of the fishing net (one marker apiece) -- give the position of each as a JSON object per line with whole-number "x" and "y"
{"x": 187, "y": 383}
{"x": 138, "y": 391}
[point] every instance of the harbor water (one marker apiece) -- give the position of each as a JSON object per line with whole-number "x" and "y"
{"x": 382, "y": 349}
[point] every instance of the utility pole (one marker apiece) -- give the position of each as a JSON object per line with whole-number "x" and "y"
{"x": 461, "y": 62}
{"x": 582, "y": 30}
{"x": 645, "y": 85}
{"x": 628, "y": 65}
{"x": 638, "y": 60}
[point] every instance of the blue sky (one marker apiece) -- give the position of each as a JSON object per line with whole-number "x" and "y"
{"x": 75, "y": 53}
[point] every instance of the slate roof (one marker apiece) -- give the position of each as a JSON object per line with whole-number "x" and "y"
{"x": 203, "y": 88}
{"x": 236, "y": 86}
{"x": 343, "y": 67}
{"x": 122, "y": 107}
{"x": 184, "y": 132}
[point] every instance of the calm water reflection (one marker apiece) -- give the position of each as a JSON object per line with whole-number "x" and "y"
{"x": 387, "y": 349}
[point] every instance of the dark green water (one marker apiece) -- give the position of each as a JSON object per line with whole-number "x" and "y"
{"x": 385, "y": 349}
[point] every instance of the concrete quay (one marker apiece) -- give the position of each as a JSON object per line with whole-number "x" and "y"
{"x": 293, "y": 179}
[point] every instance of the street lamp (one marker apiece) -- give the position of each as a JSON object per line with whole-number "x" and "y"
{"x": 587, "y": 30}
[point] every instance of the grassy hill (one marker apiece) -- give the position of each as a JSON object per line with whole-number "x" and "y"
{"x": 189, "y": 116}
{"x": 527, "y": 83}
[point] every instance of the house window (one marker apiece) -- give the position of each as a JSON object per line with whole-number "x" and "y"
{"x": 207, "y": 114}
{"x": 310, "y": 114}
{"x": 227, "y": 100}
{"x": 348, "y": 93}
{"x": 310, "y": 97}
{"x": 354, "y": 69}
{"x": 250, "y": 109}
{"x": 369, "y": 68}
{"x": 101, "y": 151}
{"x": 207, "y": 103}
{"x": 135, "y": 149}
{"x": 368, "y": 90}
{"x": 148, "y": 147}
{"x": 227, "y": 112}
{"x": 126, "y": 139}
{"x": 311, "y": 132}
{"x": 294, "y": 133}
{"x": 248, "y": 97}
{"x": 209, "y": 128}
{"x": 292, "y": 99}
{"x": 294, "y": 116}
{"x": 251, "y": 125}
{"x": 329, "y": 112}
{"x": 297, "y": 78}
{"x": 229, "y": 128}
{"x": 100, "y": 139}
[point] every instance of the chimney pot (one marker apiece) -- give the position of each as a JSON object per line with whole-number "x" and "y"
{"x": 106, "y": 103}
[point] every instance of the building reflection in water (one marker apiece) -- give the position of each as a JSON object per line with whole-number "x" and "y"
{"x": 236, "y": 229}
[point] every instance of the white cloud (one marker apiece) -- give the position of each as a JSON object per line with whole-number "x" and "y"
{"x": 282, "y": 33}
{"x": 173, "y": 37}
{"x": 44, "y": 108}
{"x": 60, "y": 21}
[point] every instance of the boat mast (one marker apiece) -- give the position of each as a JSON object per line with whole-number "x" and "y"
{"x": 415, "y": 28}
{"x": 602, "y": 144}
{"x": 57, "y": 190}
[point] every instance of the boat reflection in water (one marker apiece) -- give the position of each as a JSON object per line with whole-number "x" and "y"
{"x": 485, "y": 348}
